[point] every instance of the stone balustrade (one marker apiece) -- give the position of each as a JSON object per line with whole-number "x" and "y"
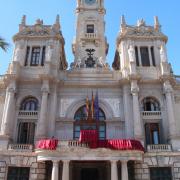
{"x": 159, "y": 148}
{"x": 90, "y": 35}
{"x": 21, "y": 147}
{"x": 151, "y": 114}
{"x": 28, "y": 114}
{"x": 72, "y": 143}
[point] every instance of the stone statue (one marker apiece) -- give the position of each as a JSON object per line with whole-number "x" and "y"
{"x": 131, "y": 54}
{"x": 18, "y": 53}
{"x": 78, "y": 63}
{"x": 49, "y": 53}
{"x": 163, "y": 54}
{"x": 101, "y": 62}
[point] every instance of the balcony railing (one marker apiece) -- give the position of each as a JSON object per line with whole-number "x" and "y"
{"x": 28, "y": 114}
{"x": 90, "y": 35}
{"x": 151, "y": 114}
{"x": 159, "y": 148}
{"x": 21, "y": 147}
{"x": 72, "y": 143}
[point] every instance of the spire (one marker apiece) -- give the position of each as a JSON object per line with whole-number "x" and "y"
{"x": 23, "y": 21}
{"x": 123, "y": 21}
{"x": 57, "y": 23}
{"x": 157, "y": 25}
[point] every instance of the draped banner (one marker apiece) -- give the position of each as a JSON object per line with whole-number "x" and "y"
{"x": 48, "y": 144}
{"x": 91, "y": 137}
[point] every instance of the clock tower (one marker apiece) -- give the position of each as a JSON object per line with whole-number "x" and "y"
{"x": 90, "y": 46}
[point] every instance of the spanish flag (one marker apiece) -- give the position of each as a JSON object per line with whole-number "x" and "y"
{"x": 92, "y": 106}
{"x": 87, "y": 106}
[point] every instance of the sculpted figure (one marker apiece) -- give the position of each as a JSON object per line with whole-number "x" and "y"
{"x": 131, "y": 54}
{"x": 78, "y": 63}
{"x": 101, "y": 62}
{"x": 163, "y": 54}
{"x": 49, "y": 53}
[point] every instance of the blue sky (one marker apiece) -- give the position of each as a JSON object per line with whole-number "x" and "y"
{"x": 11, "y": 12}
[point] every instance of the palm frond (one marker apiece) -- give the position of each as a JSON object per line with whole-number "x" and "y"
{"x": 3, "y": 44}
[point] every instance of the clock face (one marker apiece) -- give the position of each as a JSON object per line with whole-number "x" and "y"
{"x": 90, "y": 2}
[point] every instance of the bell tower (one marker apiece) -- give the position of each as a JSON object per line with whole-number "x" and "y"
{"x": 90, "y": 46}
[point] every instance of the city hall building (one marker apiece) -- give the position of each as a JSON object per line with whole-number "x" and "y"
{"x": 90, "y": 120}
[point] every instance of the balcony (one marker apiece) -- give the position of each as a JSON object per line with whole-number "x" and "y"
{"x": 151, "y": 115}
{"x": 159, "y": 148}
{"x": 28, "y": 114}
{"x": 90, "y": 35}
{"x": 20, "y": 147}
{"x": 73, "y": 144}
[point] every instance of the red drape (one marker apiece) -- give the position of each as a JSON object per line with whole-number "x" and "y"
{"x": 48, "y": 144}
{"x": 91, "y": 137}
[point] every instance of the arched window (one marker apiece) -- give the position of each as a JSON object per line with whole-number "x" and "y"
{"x": 150, "y": 104}
{"x": 26, "y": 127}
{"x": 29, "y": 104}
{"x": 82, "y": 123}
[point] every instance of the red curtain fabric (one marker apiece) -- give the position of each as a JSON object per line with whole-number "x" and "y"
{"x": 91, "y": 137}
{"x": 47, "y": 144}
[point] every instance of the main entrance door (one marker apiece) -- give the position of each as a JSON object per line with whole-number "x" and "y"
{"x": 90, "y": 170}
{"x": 89, "y": 174}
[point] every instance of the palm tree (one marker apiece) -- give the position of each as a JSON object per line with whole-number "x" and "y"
{"x": 3, "y": 45}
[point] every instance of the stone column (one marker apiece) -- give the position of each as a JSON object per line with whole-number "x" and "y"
{"x": 65, "y": 172}
{"x": 124, "y": 170}
{"x": 114, "y": 170}
{"x": 127, "y": 111}
{"x": 42, "y": 123}
{"x": 171, "y": 119}
{"x": 7, "y": 113}
{"x": 138, "y": 128}
{"x": 139, "y": 56}
{"x": 55, "y": 171}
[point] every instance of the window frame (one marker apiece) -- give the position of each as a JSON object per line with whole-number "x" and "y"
{"x": 35, "y": 56}
{"x": 145, "y": 56}
{"x": 90, "y": 29}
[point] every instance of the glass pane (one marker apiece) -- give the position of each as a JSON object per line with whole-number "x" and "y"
{"x": 77, "y": 128}
{"x": 101, "y": 128}
{"x": 156, "y": 137}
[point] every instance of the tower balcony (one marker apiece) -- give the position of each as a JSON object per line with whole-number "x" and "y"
{"x": 151, "y": 115}
{"x": 159, "y": 148}
{"x": 90, "y": 35}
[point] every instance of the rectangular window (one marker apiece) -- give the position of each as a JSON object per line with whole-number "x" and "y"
{"x": 43, "y": 55}
{"x": 152, "y": 133}
{"x": 145, "y": 56}
{"x": 26, "y": 133}
{"x": 161, "y": 173}
{"x": 18, "y": 173}
{"x": 27, "y": 55}
{"x": 137, "y": 57}
{"x": 90, "y": 28}
{"x": 153, "y": 56}
{"x": 35, "y": 56}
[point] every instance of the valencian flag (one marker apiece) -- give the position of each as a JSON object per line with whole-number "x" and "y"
{"x": 92, "y": 106}
{"x": 87, "y": 106}
{"x": 96, "y": 106}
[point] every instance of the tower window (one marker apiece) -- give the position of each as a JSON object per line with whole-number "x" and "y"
{"x": 137, "y": 57}
{"x": 43, "y": 55}
{"x": 161, "y": 173}
{"x": 153, "y": 56}
{"x": 145, "y": 56}
{"x": 35, "y": 56}
{"x": 90, "y": 28}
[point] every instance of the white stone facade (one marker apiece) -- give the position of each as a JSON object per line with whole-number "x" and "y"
{"x": 39, "y": 70}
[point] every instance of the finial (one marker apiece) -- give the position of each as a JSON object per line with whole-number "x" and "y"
{"x": 157, "y": 25}
{"x": 141, "y": 22}
{"x": 123, "y": 21}
{"x": 57, "y": 23}
{"x": 23, "y": 21}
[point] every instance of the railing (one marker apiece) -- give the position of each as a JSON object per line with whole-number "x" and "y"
{"x": 90, "y": 35}
{"x": 28, "y": 114}
{"x": 72, "y": 143}
{"x": 21, "y": 147}
{"x": 151, "y": 114}
{"x": 159, "y": 148}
